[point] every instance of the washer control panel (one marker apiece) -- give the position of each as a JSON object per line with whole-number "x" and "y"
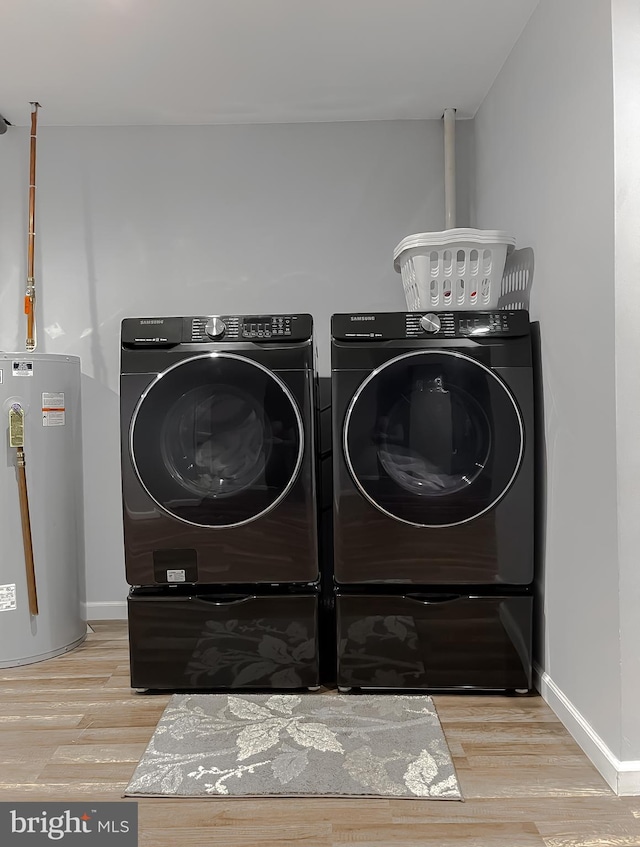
{"x": 387, "y": 326}
{"x": 168, "y": 332}
{"x": 461, "y": 324}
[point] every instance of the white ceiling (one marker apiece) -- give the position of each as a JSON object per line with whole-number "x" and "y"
{"x": 98, "y": 62}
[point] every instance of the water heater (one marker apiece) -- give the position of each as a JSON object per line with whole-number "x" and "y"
{"x": 40, "y": 405}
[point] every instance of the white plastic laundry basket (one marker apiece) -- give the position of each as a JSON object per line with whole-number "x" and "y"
{"x": 454, "y": 269}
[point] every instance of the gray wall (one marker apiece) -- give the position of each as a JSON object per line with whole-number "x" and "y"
{"x": 201, "y": 220}
{"x": 545, "y": 171}
{"x": 626, "y": 68}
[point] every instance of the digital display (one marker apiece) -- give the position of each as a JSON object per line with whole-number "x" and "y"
{"x": 478, "y": 324}
{"x": 257, "y": 324}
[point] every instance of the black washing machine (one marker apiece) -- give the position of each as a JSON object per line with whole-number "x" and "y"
{"x": 219, "y": 501}
{"x": 433, "y": 455}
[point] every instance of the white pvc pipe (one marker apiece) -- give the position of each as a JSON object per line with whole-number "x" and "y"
{"x": 450, "y": 168}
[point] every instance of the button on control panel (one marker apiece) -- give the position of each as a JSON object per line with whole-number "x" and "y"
{"x": 430, "y": 322}
{"x": 215, "y": 328}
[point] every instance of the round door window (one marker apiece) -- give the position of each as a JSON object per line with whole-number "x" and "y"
{"x": 217, "y": 440}
{"x": 433, "y": 438}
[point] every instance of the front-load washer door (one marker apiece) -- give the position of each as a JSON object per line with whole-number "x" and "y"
{"x": 217, "y": 440}
{"x": 433, "y": 438}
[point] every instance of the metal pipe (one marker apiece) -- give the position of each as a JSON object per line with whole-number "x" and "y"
{"x": 30, "y": 296}
{"x": 450, "y": 168}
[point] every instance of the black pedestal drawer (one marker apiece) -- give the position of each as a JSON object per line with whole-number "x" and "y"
{"x": 207, "y": 641}
{"x": 423, "y": 641}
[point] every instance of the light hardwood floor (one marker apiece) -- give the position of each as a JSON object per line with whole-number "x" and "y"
{"x": 72, "y": 729}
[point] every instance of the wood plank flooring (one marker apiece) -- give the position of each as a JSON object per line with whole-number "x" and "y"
{"x": 72, "y": 729}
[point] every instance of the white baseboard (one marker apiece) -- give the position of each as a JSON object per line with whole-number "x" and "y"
{"x": 112, "y": 610}
{"x": 622, "y": 777}
{"x": 629, "y": 779}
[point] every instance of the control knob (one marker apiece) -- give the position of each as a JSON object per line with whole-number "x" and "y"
{"x": 215, "y": 327}
{"x": 430, "y": 322}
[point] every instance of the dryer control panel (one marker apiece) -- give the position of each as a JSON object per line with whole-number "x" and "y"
{"x": 388, "y": 326}
{"x": 203, "y": 329}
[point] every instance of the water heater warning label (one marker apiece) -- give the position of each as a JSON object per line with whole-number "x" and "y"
{"x": 53, "y": 409}
{"x": 20, "y": 368}
{"x": 7, "y": 598}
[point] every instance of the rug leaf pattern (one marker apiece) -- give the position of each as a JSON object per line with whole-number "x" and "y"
{"x": 379, "y": 745}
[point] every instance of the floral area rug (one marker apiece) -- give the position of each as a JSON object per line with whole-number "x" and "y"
{"x": 326, "y": 745}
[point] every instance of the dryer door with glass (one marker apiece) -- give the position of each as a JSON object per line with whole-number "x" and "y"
{"x": 217, "y": 441}
{"x": 433, "y": 439}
